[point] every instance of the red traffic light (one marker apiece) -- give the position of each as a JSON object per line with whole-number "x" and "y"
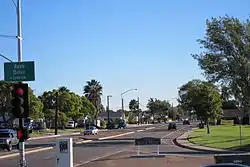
{"x": 19, "y": 134}
{"x": 19, "y": 91}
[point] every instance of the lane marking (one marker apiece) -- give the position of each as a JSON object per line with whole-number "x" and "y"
{"x": 150, "y": 128}
{"x": 84, "y": 141}
{"x": 27, "y": 152}
{"x": 140, "y": 130}
{"x": 109, "y": 137}
{"x": 97, "y": 158}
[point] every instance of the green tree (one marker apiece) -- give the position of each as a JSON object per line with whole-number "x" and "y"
{"x": 88, "y": 108}
{"x": 203, "y": 98}
{"x": 93, "y": 91}
{"x": 35, "y": 106}
{"x": 158, "y": 108}
{"x": 70, "y": 105}
{"x": 133, "y": 105}
{"x": 5, "y": 99}
{"x": 225, "y": 57}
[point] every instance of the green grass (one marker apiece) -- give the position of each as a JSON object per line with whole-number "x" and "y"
{"x": 51, "y": 132}
{"x": 223, "y": 136}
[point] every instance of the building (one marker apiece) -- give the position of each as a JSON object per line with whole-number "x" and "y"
{"x": 118, "y": 115}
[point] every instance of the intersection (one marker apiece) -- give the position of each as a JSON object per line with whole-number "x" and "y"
{"x": 98, "y": 148}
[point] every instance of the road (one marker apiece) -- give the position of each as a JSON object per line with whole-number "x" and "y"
{"x": 88, "y": 152}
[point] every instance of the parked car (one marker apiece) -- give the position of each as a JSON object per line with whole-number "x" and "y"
{"x": 172, "y": 125}
{"x": 186, "y": 122}
{"x": 122, "y": 125}
{"x": 91, "y": 130}
{"x": 8, "y": 138}
{"x": 70, "y": 125}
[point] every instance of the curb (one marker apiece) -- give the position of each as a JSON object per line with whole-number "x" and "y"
{"x": 203, "y": 149}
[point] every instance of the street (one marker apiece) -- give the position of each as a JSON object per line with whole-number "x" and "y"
{"x": 98, "y": 149}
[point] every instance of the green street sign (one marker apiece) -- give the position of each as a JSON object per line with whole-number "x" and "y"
{"x": 19, "y": 71}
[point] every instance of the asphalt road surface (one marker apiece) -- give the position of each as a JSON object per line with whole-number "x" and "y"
{"x": 88, "y": 152}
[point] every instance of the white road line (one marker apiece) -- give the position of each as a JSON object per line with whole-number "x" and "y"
{"x": 84, "y": 141}
{"x": 27, "y": 152}
{"x": 140, "y": 130}
{"x": 97, "y": 158}
{"x": 109, "y": 137}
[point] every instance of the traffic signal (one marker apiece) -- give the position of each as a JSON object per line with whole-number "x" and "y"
{"x": 23, "y": 134}
{"x": 20, "y": 101}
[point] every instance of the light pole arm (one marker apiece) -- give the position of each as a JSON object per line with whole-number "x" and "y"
{"x": 6, "y": 58}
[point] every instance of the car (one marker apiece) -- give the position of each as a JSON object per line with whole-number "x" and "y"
{"x": 172, "y": 125}
{"x": 8, "y": 138}
{"x": 186, "y": 122}
{"x": 122, "y": 125}
{"x": 70, "y": 125}
{"x": 91, "y": 130}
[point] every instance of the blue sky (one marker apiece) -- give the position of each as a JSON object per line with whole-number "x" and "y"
{"x": 124, "y": 44}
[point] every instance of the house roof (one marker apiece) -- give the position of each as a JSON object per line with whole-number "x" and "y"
{"x": 113, "y": 114}
{"x": 231, "y": 113}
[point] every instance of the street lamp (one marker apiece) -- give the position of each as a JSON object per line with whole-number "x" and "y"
{"x": 108, "y": 98}
{"x": 129, "y": 90}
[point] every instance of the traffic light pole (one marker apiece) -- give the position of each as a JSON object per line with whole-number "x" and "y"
{"x": 20, "y": 55}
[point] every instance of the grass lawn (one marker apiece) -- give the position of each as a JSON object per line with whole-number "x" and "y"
{"x": 223, "y": 136}
{"x": 51, "y": 132}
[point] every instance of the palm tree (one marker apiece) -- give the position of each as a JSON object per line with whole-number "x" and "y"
{"x": 93, "y": 91}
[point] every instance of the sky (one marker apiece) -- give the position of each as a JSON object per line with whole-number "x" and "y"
{"x": 124, "y": 44}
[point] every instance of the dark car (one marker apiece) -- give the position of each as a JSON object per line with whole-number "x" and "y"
{"x": 186, "y": 122}
{"x": 122, "y": 125}
{"x": 172, "y": 125}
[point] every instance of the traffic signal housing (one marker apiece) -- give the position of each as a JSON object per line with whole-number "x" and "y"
{"x": 23, "y": 134}
{"x": 20, "y": 101}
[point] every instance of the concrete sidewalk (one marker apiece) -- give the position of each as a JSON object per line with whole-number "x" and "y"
{"x": 182, "y": 141}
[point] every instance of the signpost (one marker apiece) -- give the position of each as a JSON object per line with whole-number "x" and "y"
{"x": 19, "y": 71}
{"x": 148, "y": 141}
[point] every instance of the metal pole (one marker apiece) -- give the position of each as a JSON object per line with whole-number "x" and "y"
{"x": 19, "y": 56}
{"x": 108, "y": 110}
{"x": 56, "y": 115}
{"x": 173, "y": 111}
{"x": 122, "y": 105}
{"x": 138, "y": 101}
{"x": 19, "y": 32}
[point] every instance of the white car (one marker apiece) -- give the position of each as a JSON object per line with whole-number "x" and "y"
{"x": 70, "y": 125}
{"x": 91, "y": 131}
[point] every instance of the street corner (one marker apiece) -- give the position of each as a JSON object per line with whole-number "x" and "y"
{"x": 183, "y": 141}
{"x": 126, "y": 158}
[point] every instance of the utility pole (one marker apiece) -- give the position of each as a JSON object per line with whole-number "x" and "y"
{"x": 122, "y": 104}
{"x": 108, "y": 98}
{"x": 56, "y": 114}
{"x": 138, "y": 101}
{"x": 20, "y": 56}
